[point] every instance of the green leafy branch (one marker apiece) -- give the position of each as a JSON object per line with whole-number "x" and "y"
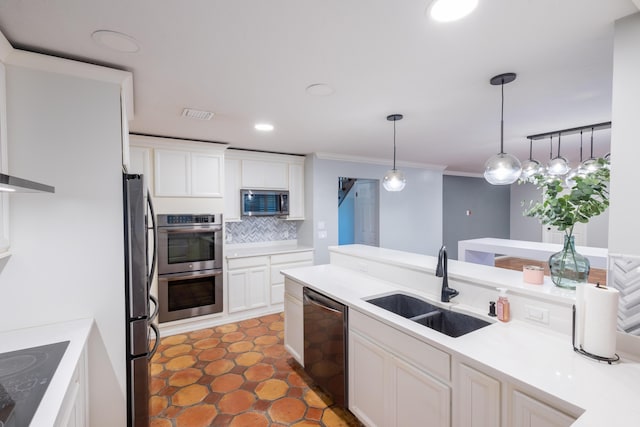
{"x": 563, "y": 208}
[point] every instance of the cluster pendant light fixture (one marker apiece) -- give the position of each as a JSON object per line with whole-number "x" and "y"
{"x": 503, "y": 168}
{"x": 394, "y": 179}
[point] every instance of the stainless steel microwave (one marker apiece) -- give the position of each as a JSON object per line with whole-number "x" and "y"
{"x": 264, "y": 202}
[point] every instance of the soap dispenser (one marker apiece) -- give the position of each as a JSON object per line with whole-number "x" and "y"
{"x": 504, "y": 313}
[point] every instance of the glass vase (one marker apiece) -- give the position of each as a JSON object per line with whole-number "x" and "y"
{"x": 568, "y": 267}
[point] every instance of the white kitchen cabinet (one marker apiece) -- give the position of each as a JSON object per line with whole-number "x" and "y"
{"x": 263, "y": 174}
{"x": 73, "y": 411}
{"x": 385, "y": 388}
{"x": 140, "y": 163}
{"x": 232, "y": 186}
{"x": 296, "y": 191}
{"x": 368, "y": 381}
{"x": 188, "y": 174}
{"x": 476, "y": 398}
{"x": 530, "y": 412}
{"x": 281, "y": 262}
{"x": 248, "y": 283}
{"x": 294, "y": 324}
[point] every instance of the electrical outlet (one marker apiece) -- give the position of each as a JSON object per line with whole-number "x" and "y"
{"x": 537, "y": 314}
{"x": 229, "y": 237}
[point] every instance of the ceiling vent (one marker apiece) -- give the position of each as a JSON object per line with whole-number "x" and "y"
{"x": 197, "y": 114}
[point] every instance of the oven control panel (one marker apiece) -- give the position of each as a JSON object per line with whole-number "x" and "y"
{"x": 189, "y": 219}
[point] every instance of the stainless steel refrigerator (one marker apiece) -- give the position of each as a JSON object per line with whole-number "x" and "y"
{"x": 139, "y": 238}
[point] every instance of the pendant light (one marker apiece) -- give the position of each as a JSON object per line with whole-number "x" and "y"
{"x": 558, "y": 165}
{"x": 530, "y": 166}
{"x": 569, "y": 180}
{"x": 394, "y": 179}
{"x": 502, "y": 169}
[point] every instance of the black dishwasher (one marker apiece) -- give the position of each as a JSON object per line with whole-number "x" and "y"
{"x": 325, "y": 344}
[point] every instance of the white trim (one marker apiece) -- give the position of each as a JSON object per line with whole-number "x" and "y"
{"x": 468, "y": 174}
{"x": 239, "y": 154}
{"x": 175, "y": 144}
{"x": 377, "y": 161}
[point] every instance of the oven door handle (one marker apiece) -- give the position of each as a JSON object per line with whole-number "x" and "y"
{"x": 194, "y": 275}
{"x": 156, "y": 341}
{"x": 190, "y": 230}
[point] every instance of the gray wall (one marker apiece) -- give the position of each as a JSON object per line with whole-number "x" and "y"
{"x": 489, "y": 206}
{"x": 410, "y": 220}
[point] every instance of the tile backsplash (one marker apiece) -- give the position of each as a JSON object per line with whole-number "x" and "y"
{"x": 260, "y": 229}
{"x": 624, "y": 275}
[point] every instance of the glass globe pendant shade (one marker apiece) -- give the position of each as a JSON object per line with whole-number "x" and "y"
{"x": 394, "y": 180}
{"x": 590, "y": 165}
{"x": 530, "y": 168}
{"x": 558, "y": 166}
{"x": 502, "y": 169}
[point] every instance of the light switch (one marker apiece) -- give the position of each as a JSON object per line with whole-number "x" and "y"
{"x": 321, "y": 225}
{"x": 322, "y": 234}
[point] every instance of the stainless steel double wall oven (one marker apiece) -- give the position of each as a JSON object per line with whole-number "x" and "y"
{"x": 189, "y": 265}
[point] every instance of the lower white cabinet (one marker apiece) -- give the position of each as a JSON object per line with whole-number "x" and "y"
{"x": 248, "y": 283}
{"x": 294, "y": 325}
{"x": 281, "y": 262}
{"x": 386, "y": 390}
{"x": 73, "y": 412}
{"x": 530, "y": 412}
{"x": 476, "y": 399}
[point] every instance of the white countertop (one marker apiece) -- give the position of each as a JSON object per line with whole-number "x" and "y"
{"x": 543, "y": 359}
{"x": 264, "y": 248}
{"x": 77, "y": 333}
{"x": 526, "y": 249}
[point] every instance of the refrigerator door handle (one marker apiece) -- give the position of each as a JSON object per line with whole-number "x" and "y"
{"x": 154, "y": 227}
{"x": 157, "y": 341}
{"x": 155, "y": 307}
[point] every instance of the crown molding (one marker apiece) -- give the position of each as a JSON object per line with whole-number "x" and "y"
{"x": 467, "y": 174}
{"x": 377, "y": 161}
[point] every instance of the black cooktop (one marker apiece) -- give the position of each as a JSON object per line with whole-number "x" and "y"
{"x": 24, "y": 377}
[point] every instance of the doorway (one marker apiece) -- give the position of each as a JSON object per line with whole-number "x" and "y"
{"x": 358, "y": 211}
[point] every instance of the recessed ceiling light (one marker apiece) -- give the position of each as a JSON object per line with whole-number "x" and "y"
{"x": 264, "y": 127}
{"x": 320, "y": 89}
{"x": 197, "y": 114}
{"x": 116, "y": 41}
{"x": 451, "y": 10}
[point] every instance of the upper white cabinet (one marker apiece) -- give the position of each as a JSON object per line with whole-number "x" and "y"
{"x": 265, "y": 174}
{"x": 180, "y": 168}
{"x": 260, "y": 171}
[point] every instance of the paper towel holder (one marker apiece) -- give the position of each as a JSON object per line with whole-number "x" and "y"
{"x": 581, "y": 351}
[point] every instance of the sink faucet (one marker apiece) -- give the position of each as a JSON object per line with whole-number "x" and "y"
{"x": 441, "y": 271}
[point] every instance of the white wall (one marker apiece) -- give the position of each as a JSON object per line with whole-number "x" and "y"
{"x": 624, "y": 228}
{"x": 67, "y": 247}
{"x": 410, "y": 220}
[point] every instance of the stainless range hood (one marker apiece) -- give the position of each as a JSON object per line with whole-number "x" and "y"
{"x": 12, "y": 184}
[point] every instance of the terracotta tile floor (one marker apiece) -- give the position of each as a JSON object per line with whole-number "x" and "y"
{"x": 236, "y": 375}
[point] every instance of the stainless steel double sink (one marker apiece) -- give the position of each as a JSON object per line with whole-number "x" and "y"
{"x": 448, "y": 322}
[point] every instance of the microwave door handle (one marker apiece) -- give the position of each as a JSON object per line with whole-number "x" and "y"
{"x": 154, "y": 227}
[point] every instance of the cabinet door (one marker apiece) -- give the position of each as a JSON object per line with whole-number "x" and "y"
{"x": 529, "y": 412}
{"x": 73, "y": 411}
{"x": 296, "y": 191}
{"x": 294, "y": 327}
{"x": 418, "y": 396}
{"x": 140, "y": 163}
{"x": 477, "y": 401}
{"x": 258, "y": 174}
{"x": 248, "y": 288}
{"x": 367, "y": 385}
{"x": 232, "y": 190}
{"x": 172, "y": 173}
{"x": 206, "y": 175}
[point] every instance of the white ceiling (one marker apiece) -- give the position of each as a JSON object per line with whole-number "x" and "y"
{"x": 250, "y": 61}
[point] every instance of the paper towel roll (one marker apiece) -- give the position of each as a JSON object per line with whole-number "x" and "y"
{"x": 600, "y": 314}
{"x": 579, "y": 326}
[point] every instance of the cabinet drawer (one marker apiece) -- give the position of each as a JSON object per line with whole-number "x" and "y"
{"x": 422, "y": 355}
{"x": 292, "y": 257}
{"x": 247, "y": 262}
{"x": 276, "y": 277}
